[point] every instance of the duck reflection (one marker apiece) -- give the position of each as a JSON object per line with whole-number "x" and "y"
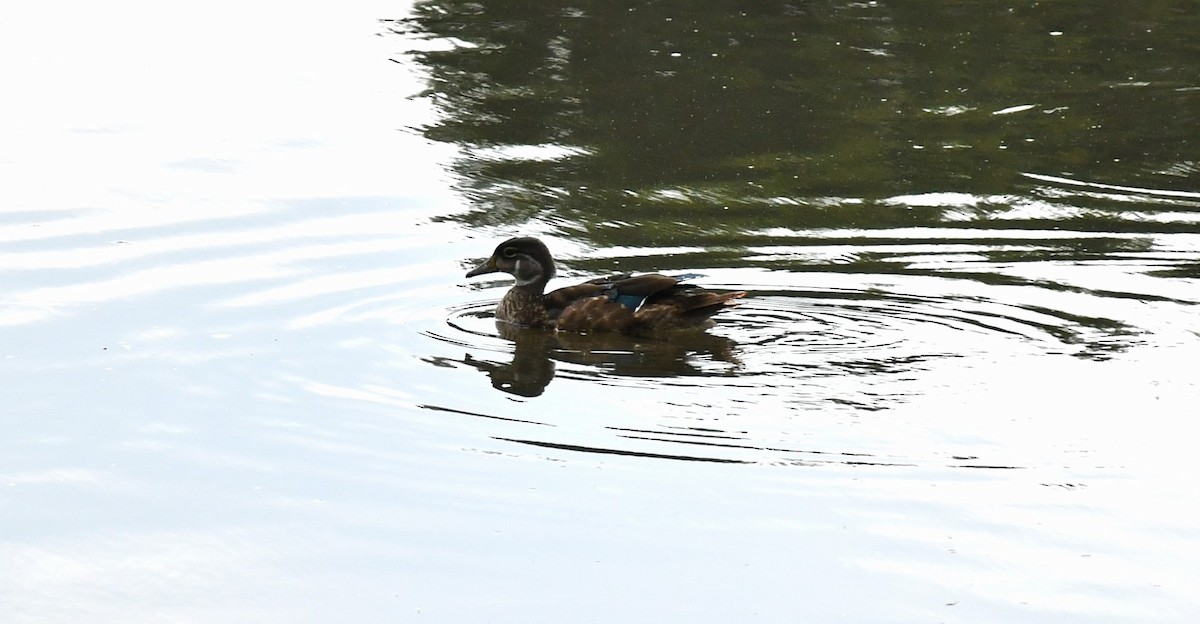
{"x": 536, "y": 353}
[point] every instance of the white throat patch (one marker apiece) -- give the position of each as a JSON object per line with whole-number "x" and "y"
{"x": 527, "y": 271}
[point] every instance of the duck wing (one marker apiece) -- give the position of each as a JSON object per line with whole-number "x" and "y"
{"x": 634, "y": 292}
{"x": 559, "y": 300}
{"x": 604, "y": 303}
{"x": 681, "y": 306}
{"x": 642, "y": 304}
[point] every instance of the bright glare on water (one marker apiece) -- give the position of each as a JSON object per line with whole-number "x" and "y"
{"x": 246, "y": 379}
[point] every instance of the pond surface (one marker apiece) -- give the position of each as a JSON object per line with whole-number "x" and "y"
{"x": 246, "y": 380}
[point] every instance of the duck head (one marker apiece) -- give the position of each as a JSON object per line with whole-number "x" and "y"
{"x": 525, "y": 258}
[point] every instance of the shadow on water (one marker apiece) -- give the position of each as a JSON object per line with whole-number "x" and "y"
{"x": 535, "y": 350}
{"x": 905, "y": 190}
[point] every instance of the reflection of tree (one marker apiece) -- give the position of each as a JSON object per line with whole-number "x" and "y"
{"x": 660, "y": 95}
{"x": 724, "y": 109}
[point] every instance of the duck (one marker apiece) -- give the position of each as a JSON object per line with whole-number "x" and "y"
{"x": 641, "y": 305}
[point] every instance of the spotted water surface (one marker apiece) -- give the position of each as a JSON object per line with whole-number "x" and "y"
{"x": 246, "y": 379}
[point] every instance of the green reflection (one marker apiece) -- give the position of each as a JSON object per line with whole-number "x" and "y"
{"x": 700, "y": 122}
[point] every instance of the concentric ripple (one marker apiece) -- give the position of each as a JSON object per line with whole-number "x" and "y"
{"x": 873, "y": 326}
{"x": 797, "y": 353}
{"x": 813, "y": 331}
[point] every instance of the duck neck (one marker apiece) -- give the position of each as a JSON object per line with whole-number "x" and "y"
{"x": 531, "y": 287}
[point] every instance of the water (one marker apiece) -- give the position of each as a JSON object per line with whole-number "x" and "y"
{"x": 247, "y": 381}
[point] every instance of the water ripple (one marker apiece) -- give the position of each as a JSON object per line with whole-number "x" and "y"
{"x": 803, "y": 344}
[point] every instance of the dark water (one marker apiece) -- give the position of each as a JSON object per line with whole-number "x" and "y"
{"x": 246, "y": 380}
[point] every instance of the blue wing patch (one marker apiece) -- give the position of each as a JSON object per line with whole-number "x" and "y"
{"x": 633, "y": 302}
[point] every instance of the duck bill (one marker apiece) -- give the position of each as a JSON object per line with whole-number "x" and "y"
{"x": 486, "y": 267}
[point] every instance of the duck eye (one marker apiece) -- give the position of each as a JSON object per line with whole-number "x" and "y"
{"x": 509, "y": 252}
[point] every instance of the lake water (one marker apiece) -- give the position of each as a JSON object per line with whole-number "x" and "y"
{"x": 245, "y": 379}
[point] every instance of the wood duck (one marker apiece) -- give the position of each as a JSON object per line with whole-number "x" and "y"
{"x": 642, "y": 305}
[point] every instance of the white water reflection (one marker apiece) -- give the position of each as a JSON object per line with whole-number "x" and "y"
{"x": 234, "y": 340}
{"x": 1157, "y": 193}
